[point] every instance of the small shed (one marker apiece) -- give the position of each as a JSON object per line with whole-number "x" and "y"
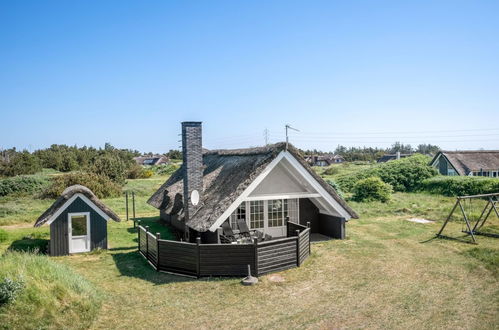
{"x": 78, "y": 222}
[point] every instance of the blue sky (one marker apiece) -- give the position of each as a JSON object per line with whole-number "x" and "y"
{"x": 351, "y": 72}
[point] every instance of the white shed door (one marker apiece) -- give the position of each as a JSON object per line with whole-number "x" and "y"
{"x": 79, "y": 232}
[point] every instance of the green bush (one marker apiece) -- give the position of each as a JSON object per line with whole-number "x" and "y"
{"x": 100, "y": 185}
{"x": 332, "y": 170}
{"x": 9, "y": 290}
{"x": 22, "y": 185}
{"x": 403, "y": 175}
{"x": 138, "y": 172}
{"x": 165, "y": 169}
{"x": 335, "y": 187}
{"x": 54, "y": 296}
{"x": 371, "y": 189}
{"x": 3, "y": 235}
{"x": 110, "y": 166}
{"x": 460, "y": 185}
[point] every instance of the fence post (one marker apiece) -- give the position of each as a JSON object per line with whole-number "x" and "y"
{"x": 158, "y": 236}
{"x": 133, "y": 204}
{"x": 309, "y": 249}
{"x": 255, "y": 251}
{"x": 147, "y": 242}
{"x": 198, "y": 268}
{"x": 138, "y": 234}
{"x": 126, "y": 204}
{"x": 287, "y": 226}
{"x": 298, "y": 248}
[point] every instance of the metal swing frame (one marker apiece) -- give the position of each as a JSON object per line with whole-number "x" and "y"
{"x": 492, "y": 202}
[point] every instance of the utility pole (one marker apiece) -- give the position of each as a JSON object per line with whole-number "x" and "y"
{"x": 287, "y": 138}
{"x": 266, "y": 136}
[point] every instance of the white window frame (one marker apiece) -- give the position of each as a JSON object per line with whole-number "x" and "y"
{"x": 70, "y": 230}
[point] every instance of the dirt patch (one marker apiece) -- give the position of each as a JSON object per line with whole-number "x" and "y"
{"x": 421, "y": 220}
{"x": 276, "y": 278}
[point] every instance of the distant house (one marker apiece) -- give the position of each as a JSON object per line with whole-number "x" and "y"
{"x": 151, "y": 160}
{"x": 388, "y": 157}
{"x": 324, "y": 160}
{"x": 467, "y": 163}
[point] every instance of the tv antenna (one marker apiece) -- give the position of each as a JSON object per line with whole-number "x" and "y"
{"x": 287, "y": 138}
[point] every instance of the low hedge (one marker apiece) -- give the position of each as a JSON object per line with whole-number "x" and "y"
{"x": 371, "y": 189}
{"x": 22, "y": 185}
{"x": 460, "y": 185}
{"x": 403, "y": 175}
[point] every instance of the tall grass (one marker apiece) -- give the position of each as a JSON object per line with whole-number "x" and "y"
{"x": 53, "y": 297}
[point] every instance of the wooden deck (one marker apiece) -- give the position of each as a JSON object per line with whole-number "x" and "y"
{"x": 200, "y": 260}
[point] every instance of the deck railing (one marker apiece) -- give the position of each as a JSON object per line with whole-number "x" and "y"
{"x": 196, "y": 259}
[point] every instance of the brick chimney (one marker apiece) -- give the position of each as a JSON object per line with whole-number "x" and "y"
{"x": 192, "y": 155}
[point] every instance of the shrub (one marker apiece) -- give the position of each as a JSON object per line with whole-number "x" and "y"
{"x": 138, "y": 172}
{"x": 165, "y": 169}
{"x": 9, "y": 289}
{"x": 403, "y": 175}
{"x": 3, "y": 235}
{"x": 335, "y": 187}
{"x": 110, "y": 166}
{"x": 371, "y": 189}
{"x": 460, "y": 185}
{"x": 22, "y": 185}
{"x": 332, "y": 170}
{"x": 100, "y": 185}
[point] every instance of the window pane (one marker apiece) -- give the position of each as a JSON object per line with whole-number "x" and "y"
{"x": 79, "y": 225}
{"x": 256, "y": 214}
{"x": 239, "y": 213}
{"x": 275, "y": 212}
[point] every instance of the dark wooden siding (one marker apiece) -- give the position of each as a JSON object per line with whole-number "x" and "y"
{"x": 178, "y": 257}
{"x": 332, "y": 226}
{"x": 276, "y": 255}
{"x": 443, "y": 166}
{"x": 226, "y": 259}
{"x": 309, "y": 213}
{"x": 59, "y": 236}
{"x": 304, "y": 246}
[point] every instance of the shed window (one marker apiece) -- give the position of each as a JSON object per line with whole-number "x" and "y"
{"x": 79, "y": 225}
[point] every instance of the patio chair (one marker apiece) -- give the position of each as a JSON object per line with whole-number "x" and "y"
{"x": 228, "y": 233}
{"x": 244, "y": 230}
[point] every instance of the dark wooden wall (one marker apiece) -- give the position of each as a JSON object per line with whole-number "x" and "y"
{"x": 276, "y": 255}
{"x": 59, "y": 236}
{"x": 332, "y": 226}
{"x": 309, "y": 213}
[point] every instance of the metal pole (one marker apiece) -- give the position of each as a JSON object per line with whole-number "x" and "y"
{"x": 126, "y": 204}
{"x": 467, "y": 223}
{"x": 448, "y": 218}
{"x": 133, "y": 204}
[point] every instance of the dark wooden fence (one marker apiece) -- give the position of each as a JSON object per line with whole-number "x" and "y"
{"x": 198, "y": 260}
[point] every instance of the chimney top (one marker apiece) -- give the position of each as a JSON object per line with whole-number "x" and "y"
{"x": 192, "y": 123}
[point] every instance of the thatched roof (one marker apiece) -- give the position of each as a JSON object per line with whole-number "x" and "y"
{"x": 227, "y": 173}
{"x": 474, "y": 160}
{"x": 66, "y": 195}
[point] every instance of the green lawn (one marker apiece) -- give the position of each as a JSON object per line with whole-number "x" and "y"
{"x": 388, "y": 273}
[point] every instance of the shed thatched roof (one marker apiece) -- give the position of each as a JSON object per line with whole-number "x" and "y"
{"x": 66, "y": 195}
{"x": 227, "y": 173}
{"x": 472, "y": 160}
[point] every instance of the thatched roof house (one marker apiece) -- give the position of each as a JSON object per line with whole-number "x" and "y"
{"x": 78, "y": 222}
{"x": 468, "y": 163}
{"x": 246, "y": 183}
{"x": 151, "y": 160}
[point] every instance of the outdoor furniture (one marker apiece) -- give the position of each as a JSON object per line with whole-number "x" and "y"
{"x": 228, "y": 233}
{"x": 244, "y": 230}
